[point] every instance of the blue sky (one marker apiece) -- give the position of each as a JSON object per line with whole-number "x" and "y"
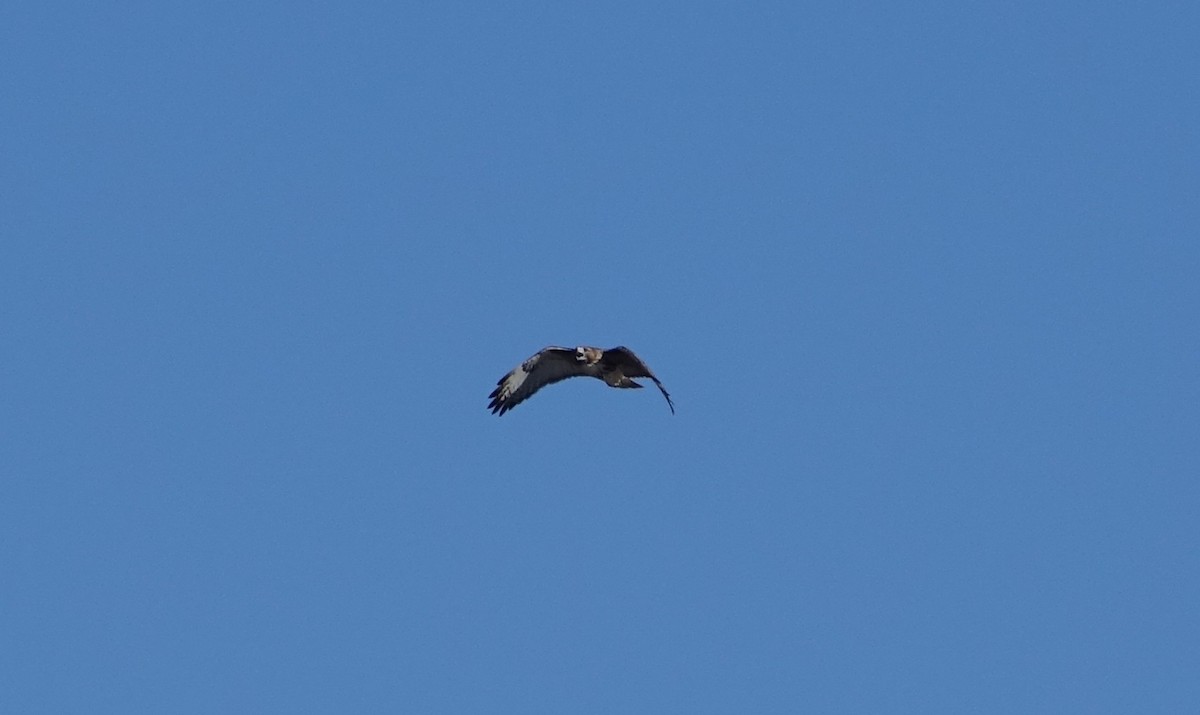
{"x": 922, "y": 279}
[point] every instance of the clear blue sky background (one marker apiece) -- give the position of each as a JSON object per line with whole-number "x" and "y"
{"x": 923, "y": 279}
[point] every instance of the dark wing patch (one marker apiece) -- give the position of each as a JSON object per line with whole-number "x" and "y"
{"x": 547, "y": 367}
{"x": 630, "y": 365}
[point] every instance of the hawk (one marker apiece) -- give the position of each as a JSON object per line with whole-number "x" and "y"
{"x": 616, "y": 366}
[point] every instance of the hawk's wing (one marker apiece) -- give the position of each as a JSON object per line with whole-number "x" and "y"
{"x": 547, "y": 367}
{"x": 631, "y": 365}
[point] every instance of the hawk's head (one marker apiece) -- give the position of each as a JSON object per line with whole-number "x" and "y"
{"x": 587, "y": 356}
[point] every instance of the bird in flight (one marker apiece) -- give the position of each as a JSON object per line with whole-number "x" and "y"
{"x": 616, "y": 366}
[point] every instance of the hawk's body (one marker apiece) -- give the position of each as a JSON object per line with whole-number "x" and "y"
{"x": 616, "y": 366}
